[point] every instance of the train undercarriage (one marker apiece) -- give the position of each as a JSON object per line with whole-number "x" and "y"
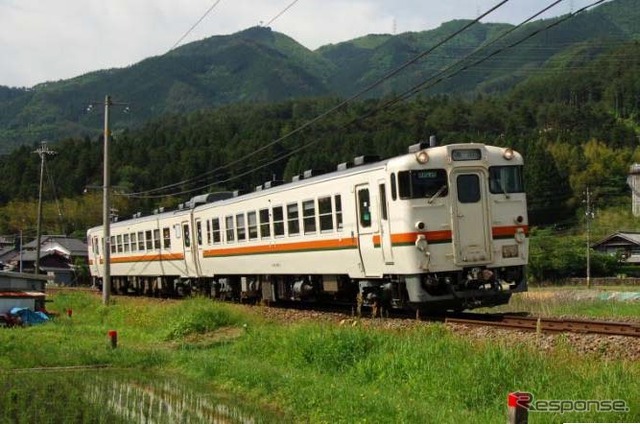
{"x": 467, "y": 289}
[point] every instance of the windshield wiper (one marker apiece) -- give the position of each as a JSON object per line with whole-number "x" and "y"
{"x": 438, "y": 193}
{"x": 504, "y": 190}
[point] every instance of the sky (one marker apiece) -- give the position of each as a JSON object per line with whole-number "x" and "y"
{"x": 45, "y": 40}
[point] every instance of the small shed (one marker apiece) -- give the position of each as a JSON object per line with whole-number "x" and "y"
{"x": 21, "y": 290}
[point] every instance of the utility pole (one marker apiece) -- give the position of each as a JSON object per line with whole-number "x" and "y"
{"x": 106, "y": 201}
{"x": 588, "y": 217}
{"x": 43, "y": 151}
{"x": 106, "y": 209}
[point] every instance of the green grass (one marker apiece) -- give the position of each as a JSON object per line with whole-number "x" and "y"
{"x": 318, "y": 372}
{"x": 571, "y": 301}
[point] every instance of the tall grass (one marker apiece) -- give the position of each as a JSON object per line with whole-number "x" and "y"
{"x": 569, "y": 302}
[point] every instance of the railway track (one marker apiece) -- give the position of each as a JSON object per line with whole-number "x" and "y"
{"x": 548, "y": 325}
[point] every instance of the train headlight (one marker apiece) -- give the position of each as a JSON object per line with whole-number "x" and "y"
{"x": 422, "y": 157}
{"x": 508, "y": 153}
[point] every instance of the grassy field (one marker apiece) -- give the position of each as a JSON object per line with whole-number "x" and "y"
{"x": 292, "y": 372}
{"x": 572, "y": 301}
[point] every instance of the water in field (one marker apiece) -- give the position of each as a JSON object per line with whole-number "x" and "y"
{"x": 106, "y": 396}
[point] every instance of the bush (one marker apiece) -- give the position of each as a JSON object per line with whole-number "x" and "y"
{"x": 199, "y": 317}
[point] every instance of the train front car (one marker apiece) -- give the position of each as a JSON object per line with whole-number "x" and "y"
{"x": 463, "y": 226}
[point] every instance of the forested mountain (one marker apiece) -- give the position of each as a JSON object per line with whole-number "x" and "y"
{"x": 259, "y": 65}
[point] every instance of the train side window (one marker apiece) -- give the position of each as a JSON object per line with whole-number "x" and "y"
{"x": 278, "y": 221}
{"x": 252, "y": 223}
{"x": 149, "y": 240}
{"x": 215, "y": 230}
{"x": 166, "y": 235}
{"x": 338, "y": 201}
{"x": 394, "y": 188}
{"x": 265, "y": 231}
{"x": 364, "y": 204}
{"x": 140, "y": 241}
{"x": 309, "y": 216}
{"x": 113, "y": 244}
{"x": 119, "y": 239}
{"x": 208, "y": 232}
{"x": 156, "y": 239}
{"x": 187, "y": 236}
{"x": 242, "y": 231}
{"x": 293, "y": 221}
{"x": 134, "y": 242}
{"x": 199, "y": 232}
{"x": 230, "y": 229}
{"x": 383, "y": 202}
{"x": 325, "y": 212}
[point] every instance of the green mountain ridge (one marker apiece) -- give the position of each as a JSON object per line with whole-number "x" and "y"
{"x": 259, "y": 65}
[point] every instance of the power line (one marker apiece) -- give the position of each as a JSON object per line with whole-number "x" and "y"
{"x": 55, "y": 194}
{"x": 323, "y": 115}
{"x": 442, "y": 75}
{"x": 281, "y": 13}
{"x": 213, "y": 6}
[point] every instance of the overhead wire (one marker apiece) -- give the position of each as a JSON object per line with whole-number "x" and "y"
{"x": 441, "y": 76}
{"x": 282, "y": 12}
{"x": 55, "y": 194}
{"x": 202, "y": 18}
{"x": 343, "y": 103}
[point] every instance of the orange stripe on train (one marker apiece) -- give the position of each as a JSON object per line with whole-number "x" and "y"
{"x": 333, "y": 244}
{"x": 147, "y": 258}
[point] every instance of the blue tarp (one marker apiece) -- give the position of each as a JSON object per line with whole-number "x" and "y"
{"x": 29, "y": 317}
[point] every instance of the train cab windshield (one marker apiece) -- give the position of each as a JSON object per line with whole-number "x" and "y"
{"x": 506, "y": 179}
{"x": 422, "y": 183}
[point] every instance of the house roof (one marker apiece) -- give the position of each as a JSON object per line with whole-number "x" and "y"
{"x": 629, "y": 238}
{"x": 6, "y": 253}
{"x": 74, "y": 246}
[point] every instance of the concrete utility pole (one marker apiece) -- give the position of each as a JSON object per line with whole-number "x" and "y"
{"x": 106, "y": 202}
{"x": 43, "y": 151}
{"x": 588, "y": 217}
{"x": 106, "y": 209}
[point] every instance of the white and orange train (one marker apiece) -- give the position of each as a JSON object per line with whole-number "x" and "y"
{"x": 437, "y": 228}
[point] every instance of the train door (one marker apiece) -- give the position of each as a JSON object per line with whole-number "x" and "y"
{"x": 197, "y": 246}
{"x": 471, "y": 221}
{"x": 368, "y": 231}
{"x": 95, "y": 258}
{"x": 190, "y": 253}
{"x": 385, "y": 227}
